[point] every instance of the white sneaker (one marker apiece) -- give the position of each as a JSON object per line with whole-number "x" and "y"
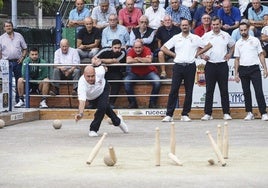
{"x": 227, "y": 117}
{"x": 123, "y": 125}
{"x": 92, "y": 134}
{"x": 206, "y": 117}
{"x": 19, "y": 104}
{"x": 185, "y": 118}
{"x": 264, "y": 117}
{"x": 43, "y": 104}
{"x": 167, "y": 119}
{"x": 249, "y": 116}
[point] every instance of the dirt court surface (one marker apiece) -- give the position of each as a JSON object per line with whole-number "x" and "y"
{"x": 36, "y": 155}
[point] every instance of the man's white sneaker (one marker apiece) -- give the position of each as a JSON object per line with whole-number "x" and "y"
{"x": 249, "y": 117}
{"x": 92, "y": 134}
{"x": 123, "y": 125}
{"x": 264, "y": 117}
{"x": 167, "y": 119}
{"x": 185, "y": 118}
{"x": 19, "y": 104}
{"x": 227, "y": 117}
{"x": 206, "y": 117}
{"x": 43, "y": 104}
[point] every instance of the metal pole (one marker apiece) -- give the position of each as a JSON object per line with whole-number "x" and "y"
{"x": 27, "y": 85}
{"x": 58, "y": 29}
{"x": 14, "y": 13}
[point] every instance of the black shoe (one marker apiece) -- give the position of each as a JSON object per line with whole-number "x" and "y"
{"x": 133, "y": 105}
{"x": 54, "y": 91}
{"x": 152, "y": 105}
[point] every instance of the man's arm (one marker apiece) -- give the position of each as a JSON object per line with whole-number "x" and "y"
{"x": 81, "y": 108}
{"x": 236, "y": 65}
{"x": 263, "y": 63}
{"x": 168, "y": 52}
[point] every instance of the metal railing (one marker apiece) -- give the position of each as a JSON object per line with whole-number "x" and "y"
{"x": 28, "y": 80}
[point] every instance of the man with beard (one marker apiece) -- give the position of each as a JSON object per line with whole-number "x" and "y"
{"x": 186, "y": 47}
{"x": 110, "y": 56}
{"x": 248, "y": 55}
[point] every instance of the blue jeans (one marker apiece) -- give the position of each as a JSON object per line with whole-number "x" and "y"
{"x": 150, "y": 76}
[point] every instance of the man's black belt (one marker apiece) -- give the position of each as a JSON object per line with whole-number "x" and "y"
{"x": 217, "y": 63}
{"x": 13, "y": 60}
{"x": 185, "y": 64}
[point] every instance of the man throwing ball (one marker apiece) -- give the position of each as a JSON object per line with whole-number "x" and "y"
{"x": 92, "y": 86}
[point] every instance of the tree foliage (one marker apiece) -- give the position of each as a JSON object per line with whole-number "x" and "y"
{"x": 48, "y": 5}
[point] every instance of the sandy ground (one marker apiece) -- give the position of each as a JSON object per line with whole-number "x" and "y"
{"x": 36, "y": 155}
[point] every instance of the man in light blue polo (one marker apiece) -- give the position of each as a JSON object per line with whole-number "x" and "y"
{"x": 78, "y": 14}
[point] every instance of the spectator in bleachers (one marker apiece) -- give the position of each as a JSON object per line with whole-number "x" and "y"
{"x": 112, "y": 55}
{"x": 163, "y": 34}
{"x": 101, "y": 13}
{"x": 78, "y": 14}
{"x": 191, "y": 4}
{"x": 155, "y": 14}
{"x": 264, "y": 36}
{"x": 178, "y": 12}
{"x": 129, "y": 16}
{"x": 112, "y": 3}
{"x": 208, "y": 8}
{"x": 35, "y": 73}
{"x": 187, "y": 47}
{"x": 141, "y": 54}
{"x": 68, "y": 58}
{"x": 143, "y": 32}
{"x": 88, "y": 39}
{"x": 204, "y": 27}
{"x": 236, "y": 33}
{"x": 230, "y": 16}
{"x": 114, "y": 31}
{"x": 14, "y": 49}
{"x": 255, "y": 16}
{"x": 137, "y": 4}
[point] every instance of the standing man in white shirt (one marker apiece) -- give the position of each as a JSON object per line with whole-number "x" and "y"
{"x": 248, "y": 55}
{"x": 186, "y": 47}
{"x": 92, "y": 86}
{"x": 216, "y": 69}
{"x": 66, "y": 55}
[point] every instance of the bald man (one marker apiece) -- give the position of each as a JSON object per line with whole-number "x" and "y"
{"x": 66, "y": 59}
{"x": 92, "y": 86}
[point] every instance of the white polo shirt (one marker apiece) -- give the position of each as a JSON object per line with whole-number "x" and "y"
{"x": 155, "y": 17}
{"x": 248, "y": 51}
{"x": 88, "y": 91}
{"x": 220, "y": 43}
{"x": 185, "y": 47}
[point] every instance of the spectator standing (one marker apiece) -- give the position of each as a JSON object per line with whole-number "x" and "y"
{"x": 68, "y": 58}
{"x": 163, "y": 34}
{"x": 114, "y": 31}
{"x": 216, "y": 68}
{"x": 129, "y": 16}
{"x": 92, "y": 86}
{"x": 230, "y": 16}
{"x": 35, "y": 73}
{"x": 248, "y": 55}
{"x": 141, "y": 54}
{"x": 101, "y": 13}
{"x": 186, "y": 45}
{"x": 178, "y": 12}
{"x": 112, "y": 55}
{"x": 155, "y": 14}
{"x": 14, "y": 49}
{"x": 78, "y": 14}
{"x": 88, "y": 40}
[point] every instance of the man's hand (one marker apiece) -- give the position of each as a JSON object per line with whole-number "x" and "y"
{"x": 77, "y": 117}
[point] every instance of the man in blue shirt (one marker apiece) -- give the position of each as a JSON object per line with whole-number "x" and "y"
{"x": 178, "y": 12}
{"x": 230, "y": 16}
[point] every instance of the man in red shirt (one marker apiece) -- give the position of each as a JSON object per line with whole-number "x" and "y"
{"x": 204, "y": 27}
{"x": 141, "y": 54}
